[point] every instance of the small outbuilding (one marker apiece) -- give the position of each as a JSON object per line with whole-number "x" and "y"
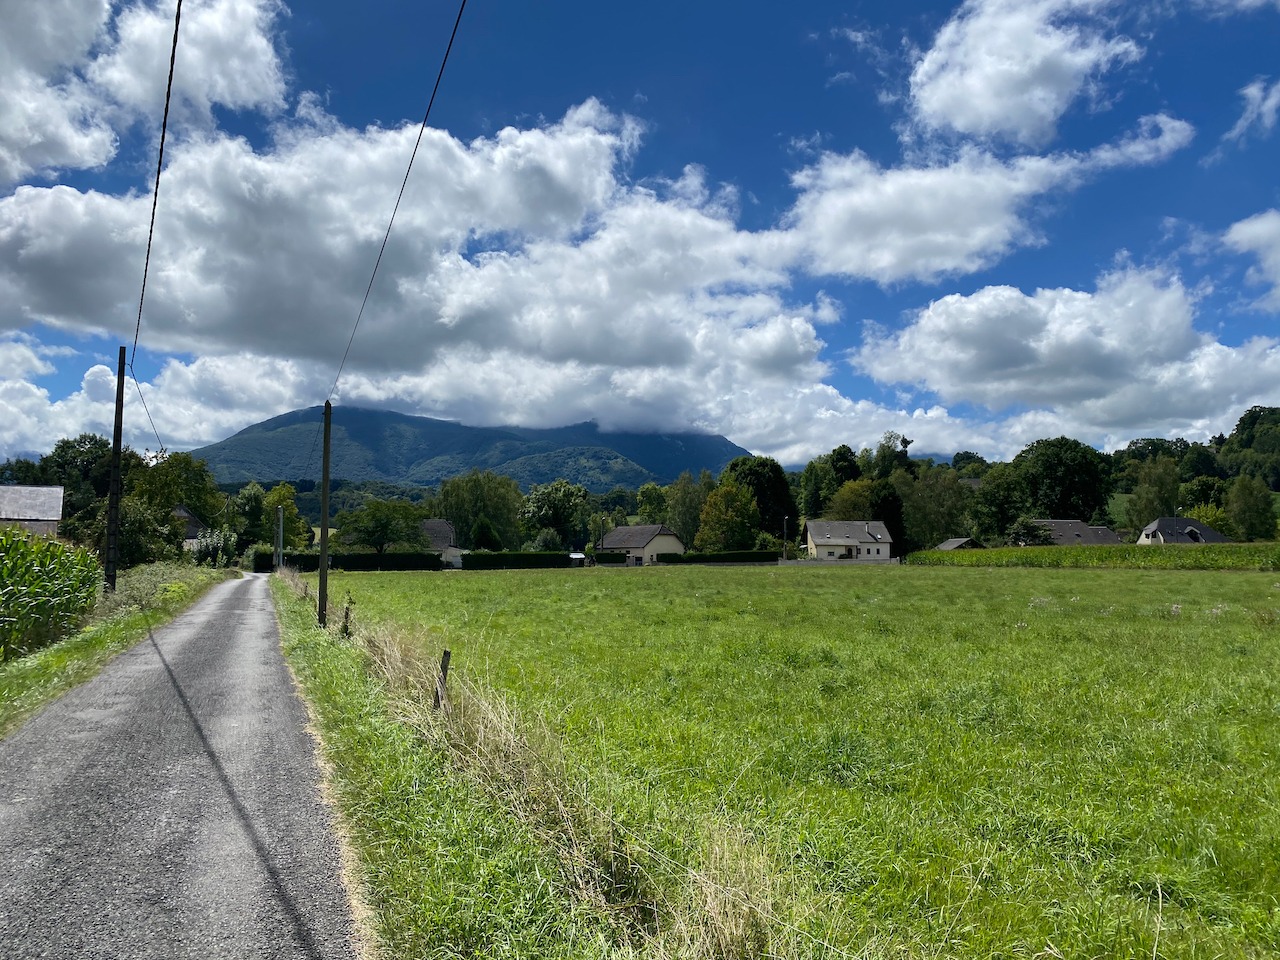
{"x": 1077, "y": 533}
{"x": 862, "y": 541}
{"x": 35, "y": 509}
{"x": 960, "y": 543}
{"x": 642, "y": 543}
{"x": 1179, "y": 530}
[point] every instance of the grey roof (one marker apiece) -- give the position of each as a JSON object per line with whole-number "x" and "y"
{"x": 959, "y": 543}
{"x": 439, "y": 534}
{"x": 848, "y": 532}
{"x": 30, "y": 503}
{"x": 1067, "y": 533}
{"x": 1182, "y": 530}
{"x": 634, "y": 538}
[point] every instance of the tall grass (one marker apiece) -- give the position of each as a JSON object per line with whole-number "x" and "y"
{"x": 46, "y": 587}
{"x": 882, "y": 762}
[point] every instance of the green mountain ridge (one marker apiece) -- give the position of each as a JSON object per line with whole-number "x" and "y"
{"x": 403, "y": 449}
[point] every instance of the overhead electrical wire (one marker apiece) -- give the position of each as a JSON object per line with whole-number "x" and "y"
{"x": 422, "y": 129}
{"x": 155, "y": 200}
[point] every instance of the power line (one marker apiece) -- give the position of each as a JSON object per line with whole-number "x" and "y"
{"x": 422, "y": 129}
{"x": 155, "y": 200}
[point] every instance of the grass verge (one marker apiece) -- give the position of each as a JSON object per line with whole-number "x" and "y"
{"x": 144, "y": 595}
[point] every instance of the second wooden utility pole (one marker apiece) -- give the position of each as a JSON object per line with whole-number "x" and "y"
{"x": 324, "y": 518}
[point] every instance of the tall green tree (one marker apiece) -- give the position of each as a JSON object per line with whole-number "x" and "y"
{"x": 1001, "y": 498}
{"x": 559, "y": 506}
{"x": 381, "y": 524}
{"x": 483, "y": 495}
{"x": 297, "y": 531}
{"x": 934, "y": 504}
{"x": 651, "y": 503}
{"x": 730, "y": 519}
{"x": 851, "y": 502}
{"x": 1250, "y": 509}
{"x": 685, "y": 499}
{"x": 1065, "y": 479}
{"x": 818, "y": 484}
{"x": 765, "y": 479}
{"x": 1155, "y": 494}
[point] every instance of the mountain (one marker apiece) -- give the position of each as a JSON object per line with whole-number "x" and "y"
{"x": 403, "y": 449}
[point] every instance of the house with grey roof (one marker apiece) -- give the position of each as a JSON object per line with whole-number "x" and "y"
{"x": 35, "y": 509}
{"x": 642, "y": 543}
{"x": 1077, "y": 533}
{"x": 1179, "y": 530}
{"x": 861, "y": 541}
{"x": 441, "y": 539}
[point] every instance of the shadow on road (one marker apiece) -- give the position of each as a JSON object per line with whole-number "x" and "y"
{"x": 301, "y": 931}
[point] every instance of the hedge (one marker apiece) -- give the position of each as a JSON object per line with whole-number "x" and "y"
{"x": 310, "y": 562}
{"x": 729, "y": 556}
{"x": 611, "y": 557}
{"x": 516, "y": 561}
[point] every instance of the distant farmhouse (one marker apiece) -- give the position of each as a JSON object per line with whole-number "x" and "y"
{"x": 34, "y": 509}
{"x": 1077, "y": 533}
{"x": 862, "y": 541}
{"x": 441, "y": 539}
{"x": 192, "y": 526}
{"x": 1179, "y": 530}
{"x": 642, "y": 543}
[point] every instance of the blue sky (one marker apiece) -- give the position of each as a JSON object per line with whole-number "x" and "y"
{"x": 976, "y": 224}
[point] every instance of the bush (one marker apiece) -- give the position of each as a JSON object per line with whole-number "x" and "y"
{"x": 45, "y": 588}
{"x": 515, "y": 561}
{"x": 611, "y": 558}
{"x": 727, "y": 556}
{"x": 260, "y": 558}
{"x": 416, "y": 560}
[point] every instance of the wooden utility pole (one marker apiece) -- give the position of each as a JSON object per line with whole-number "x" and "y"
{"x": 113, "y": 491}
{"x": 324, "y": 517}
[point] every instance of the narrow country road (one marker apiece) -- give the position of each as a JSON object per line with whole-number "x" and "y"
{"x": 170, "y": 807}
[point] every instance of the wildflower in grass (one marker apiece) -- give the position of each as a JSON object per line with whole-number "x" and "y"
{"x": 1176, "y": 609}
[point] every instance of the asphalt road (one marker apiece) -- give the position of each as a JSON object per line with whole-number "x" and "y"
{"x": 170, "y": 807}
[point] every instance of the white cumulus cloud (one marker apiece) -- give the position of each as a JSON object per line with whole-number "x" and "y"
{"x": 1012, "y": 68}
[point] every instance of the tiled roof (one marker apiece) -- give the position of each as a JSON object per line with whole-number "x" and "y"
{"x": 30, "y": 503}
{"x": 439, "y": 534}
{"x": 1182, "y": 530}
{"x": 848, "y": 532}
{"x": 1067, "y": 533}
{"x": 634, "y": 538}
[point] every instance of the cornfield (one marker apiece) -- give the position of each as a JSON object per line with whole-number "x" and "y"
{"x": 1208, "y": 556}
{"x": 45, "y": 588}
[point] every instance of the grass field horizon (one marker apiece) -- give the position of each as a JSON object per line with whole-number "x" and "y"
{"x": 880, "y": 762}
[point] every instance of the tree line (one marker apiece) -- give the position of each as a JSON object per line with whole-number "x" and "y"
{"x": 753, "y": 504}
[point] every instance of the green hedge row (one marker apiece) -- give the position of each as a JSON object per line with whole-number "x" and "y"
{"x": 310, "y": 562}
{"x": 729, "y": 556}
{"x": 1207, "y": 556}
{"x": 611, "y": 558}
{"x": 45, "y": 588}
{"x": 515, "y": 561}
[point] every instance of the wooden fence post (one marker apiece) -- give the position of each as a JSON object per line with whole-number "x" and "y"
{"x": 441, "y": 698}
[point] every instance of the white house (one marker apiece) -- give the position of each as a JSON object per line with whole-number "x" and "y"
{"x": 862, "y": 541}
{"x": 642, "y": 543}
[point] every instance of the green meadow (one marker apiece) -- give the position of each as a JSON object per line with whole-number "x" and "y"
{"x": 809, "y": 761}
